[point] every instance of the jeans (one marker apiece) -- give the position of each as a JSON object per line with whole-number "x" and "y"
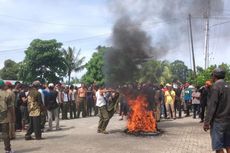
{"x": 55, "y": 113}
{"x": 196, "y": 110}
{"x": 220, "y": 134}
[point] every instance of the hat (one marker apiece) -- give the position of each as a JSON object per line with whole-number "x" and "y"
{"x": 36, "y": 83}
{"x": 2, "y": 83}
{"x": 8, "y": 83}
{"x": 191, "y": 87}
{"x": 168, "y": 85}
{"x": 51, "y": 85}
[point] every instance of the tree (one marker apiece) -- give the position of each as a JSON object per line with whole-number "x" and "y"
{"x": 72, "y": 62}
{"x": 150, "y": 71}
{"x": 179, "y": 70}
{"x": 166, "y": 76}
{"x": 10, "y": 70}
{"x": 95, "y": 67}
{"x": 226, "y": 67}
{"x": 43, "y": 60}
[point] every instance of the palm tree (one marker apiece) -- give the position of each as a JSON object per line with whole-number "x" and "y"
{"x": 73, "y": 62}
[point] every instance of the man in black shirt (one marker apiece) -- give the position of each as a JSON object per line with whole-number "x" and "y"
{"x": 218, "y": 112}
{"x": 52, "y": 107}
{"x": 205, "y": 93}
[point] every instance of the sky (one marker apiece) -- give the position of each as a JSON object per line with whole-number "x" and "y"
{"x": 85, "y": 24}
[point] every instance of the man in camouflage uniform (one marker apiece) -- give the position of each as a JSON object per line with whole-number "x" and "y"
{"x": 5, "y": 110}
{"x": 11, "y": 114}
{"x": 34, "y": 109}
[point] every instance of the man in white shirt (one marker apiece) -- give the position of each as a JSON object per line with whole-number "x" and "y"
{"x": 104, "y": 115}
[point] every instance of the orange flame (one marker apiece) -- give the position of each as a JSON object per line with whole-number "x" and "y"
{"x": 140, "y": 119}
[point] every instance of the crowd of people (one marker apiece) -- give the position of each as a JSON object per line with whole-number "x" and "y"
{"x": 28, "y": 108}
{"x": 169, "y": 101}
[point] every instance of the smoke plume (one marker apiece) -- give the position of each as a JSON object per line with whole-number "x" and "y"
{"x": 133, "y": 40}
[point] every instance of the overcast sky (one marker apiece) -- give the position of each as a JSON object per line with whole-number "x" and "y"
{"x": 86, "y": 24}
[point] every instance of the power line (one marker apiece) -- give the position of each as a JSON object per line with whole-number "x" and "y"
{"x": 220, "y": 23}
{"x": 101, "y": 35}
{"x": 73, "y": 40}
{"x": 45, "y": 22}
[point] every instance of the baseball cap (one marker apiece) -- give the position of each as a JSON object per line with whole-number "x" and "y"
{"x": 8, "y": 83}
{"x": 2, "y": 83}
{"x": 51, "y": 85}
{"x": 168, "y": 85}
{"x": 36, "y": 83}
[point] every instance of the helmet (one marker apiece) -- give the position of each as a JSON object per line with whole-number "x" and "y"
{"x": 218, "y": 73}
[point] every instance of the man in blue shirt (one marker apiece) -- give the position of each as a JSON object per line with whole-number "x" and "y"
{"x": 187, "y": 99}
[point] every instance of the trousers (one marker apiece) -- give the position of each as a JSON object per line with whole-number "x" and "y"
{"x": 55, "y": 113}
{"x": 5, "y": 136}
{"x": 73, "y": 109}
{"x": 104, "y": 118}
{"x": 34, "y": 126}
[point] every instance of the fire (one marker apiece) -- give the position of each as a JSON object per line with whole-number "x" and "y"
{"x": 140, "y": 119}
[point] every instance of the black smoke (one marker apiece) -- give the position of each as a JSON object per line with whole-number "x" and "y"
{"x": 132, "y": 40}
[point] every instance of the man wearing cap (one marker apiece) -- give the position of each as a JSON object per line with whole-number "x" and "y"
{"x": 6, "y": 107}
{"x": 11, "y": 115}
{"x": 218, "y": 112}
{"x": 52, "y": 107}
{"x": 170, "y": 100}
{"x": 35, "y": 109}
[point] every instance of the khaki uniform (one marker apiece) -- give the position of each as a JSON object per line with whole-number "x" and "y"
{"x": 5, "y": 106}
{"x": 11, "y": 114}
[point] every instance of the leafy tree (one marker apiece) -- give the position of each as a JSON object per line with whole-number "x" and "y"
{"x": 72, "y": 62}
{"x": 43, "y": 60}
{"x": 166, "y": 73}
{"x": 199, "y": 69}
{"x": 10, "y": 70}
{"x": 226, "y": 67}
{"x": 150, "y": 71}
{"x": 179, "y": 70}
{"x": 205, "y": 75}
{"x": 95, "y": 67}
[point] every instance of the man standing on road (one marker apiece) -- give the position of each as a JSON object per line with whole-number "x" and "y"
{"x": 81, "y": 102}
{"x": 170, "y": 100}
{"x": 11, "y": 114}
{"x": 218, "y": 112}
{"x": 35, "y": 108}
{"x": 52, "y": 107}
{"x": 104, "y": 115}
{"x": 6, "y": 108}
{"x": 205, "y": 93}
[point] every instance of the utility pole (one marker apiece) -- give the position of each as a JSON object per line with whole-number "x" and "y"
{"x": 191, "y": 38}
{"x": 206, "y": 41}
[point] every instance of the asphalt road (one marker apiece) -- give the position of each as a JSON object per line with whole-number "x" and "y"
{"x": 80, "y": 136}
